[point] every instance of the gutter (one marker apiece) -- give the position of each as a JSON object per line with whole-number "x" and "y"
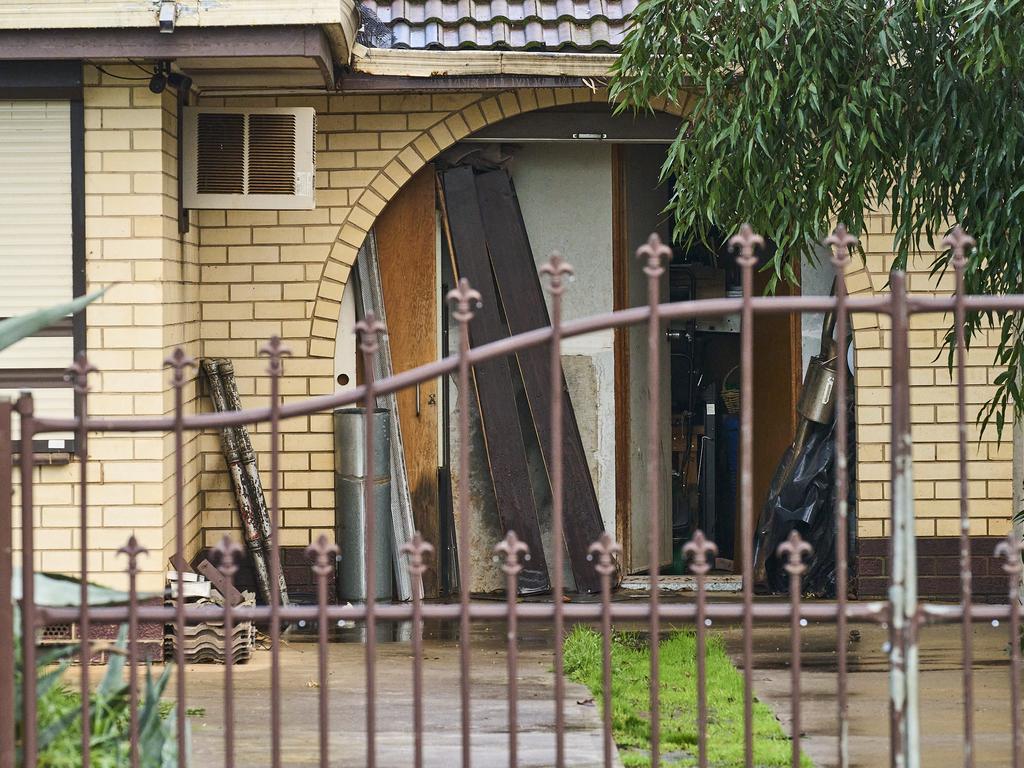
{"x": 445, "y": 63}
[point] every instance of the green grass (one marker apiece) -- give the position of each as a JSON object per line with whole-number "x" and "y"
{"x": 631, "y": 662}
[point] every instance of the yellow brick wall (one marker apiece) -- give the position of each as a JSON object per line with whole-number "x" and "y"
{"x": 180, "y": 322}
{"x": 239, "y": 277}
{"x": 368, "y": 146}
{"x": 933, "y": 413}
{"x": 131, "y": 240}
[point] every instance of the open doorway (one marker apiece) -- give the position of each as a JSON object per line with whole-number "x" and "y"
{"x": 594, "y": 196}
{"x": 698, "y": 404}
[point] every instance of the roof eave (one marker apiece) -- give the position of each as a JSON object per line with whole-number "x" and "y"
{"x": 432, "y": 63}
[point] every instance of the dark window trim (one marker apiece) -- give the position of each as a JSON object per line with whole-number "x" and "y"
{"x": 57, "y": 81}
{"x": 78, "y": 324}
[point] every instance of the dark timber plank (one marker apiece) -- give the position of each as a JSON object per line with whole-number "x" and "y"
{"x": 522, "y": 297}
{"x": 506, "y": 451}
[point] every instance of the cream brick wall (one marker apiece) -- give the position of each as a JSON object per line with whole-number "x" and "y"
{"x": 241, "y": 276}
{"x": 933, "y": 414}
{"x": 180, "y": 322}
{"x": 131, "y": 240}
{"x": 367, "y": 148}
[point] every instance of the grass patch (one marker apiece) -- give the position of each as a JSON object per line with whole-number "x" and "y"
{"x": 631, "y": 730}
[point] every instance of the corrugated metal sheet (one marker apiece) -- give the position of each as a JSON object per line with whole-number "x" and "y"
{"x": 504, "y": 24}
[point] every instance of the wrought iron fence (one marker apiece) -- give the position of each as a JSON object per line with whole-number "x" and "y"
{"x": 903, "y": 613}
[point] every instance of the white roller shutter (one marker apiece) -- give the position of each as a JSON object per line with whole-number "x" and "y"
{"x": 36, "y": 246}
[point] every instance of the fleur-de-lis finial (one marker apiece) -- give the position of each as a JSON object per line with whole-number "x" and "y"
{"x": 959, "y": 242}
{"x": 841, "y": 242}
{"x": 132, "y": 549}
{"x": 464, "y": 300}
{"x": 322, "y": 552}
{"x": 557, "y": 269}
{"x": 276, "y": 351}
{"x": 226, "y": 555}
{"x": 654, "y": 254}
{"x": 78, "y": 372}
{"x": 1009, "y": 549}
{"x": 746, "y": 241}
{"x": 417, "y": 548}
{"x": 794, "y": 549}
{"x": 178, "y": 361}
{"x": 603, "y": 552}
{"x": 369, "y": 330}
{"x": 701, "y": 552}
{"x": 511, "y": 548}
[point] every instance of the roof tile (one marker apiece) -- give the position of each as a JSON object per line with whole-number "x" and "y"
{"x": 498, "y": 24}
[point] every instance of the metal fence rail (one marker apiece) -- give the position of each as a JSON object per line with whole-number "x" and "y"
{"x": 902, "y": 612}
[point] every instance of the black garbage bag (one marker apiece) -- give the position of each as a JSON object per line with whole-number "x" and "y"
{"x": 804, "y": 499}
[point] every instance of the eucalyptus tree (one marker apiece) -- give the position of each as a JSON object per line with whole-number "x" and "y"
{"x": 799, "y": 113}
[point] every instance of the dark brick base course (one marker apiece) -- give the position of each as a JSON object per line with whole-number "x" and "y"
{"x": 938, "y": 568}
{"x": 150, "y": 637}
{"x": 297, "y": 573}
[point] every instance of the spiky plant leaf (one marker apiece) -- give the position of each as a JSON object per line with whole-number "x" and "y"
{"x": 14, "y": 329}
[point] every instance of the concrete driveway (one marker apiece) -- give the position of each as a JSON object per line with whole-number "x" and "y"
{"x": 940, "y": 684}
{"x": 941, "y": 698}
{"x": 441, "y": 706}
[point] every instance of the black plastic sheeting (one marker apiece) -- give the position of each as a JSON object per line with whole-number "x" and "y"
{"x": 806, "y": 502}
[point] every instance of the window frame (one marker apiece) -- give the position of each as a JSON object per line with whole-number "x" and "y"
{"x": 58, "y": 81}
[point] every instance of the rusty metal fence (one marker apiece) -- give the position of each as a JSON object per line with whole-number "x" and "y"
{"x": 902, "y": 612}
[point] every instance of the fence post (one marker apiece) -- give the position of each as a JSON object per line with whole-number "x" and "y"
{"x": 903, "y": 587}
{"x": 6, "y": 578}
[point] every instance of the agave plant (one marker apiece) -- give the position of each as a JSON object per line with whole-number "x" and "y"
{"x": 59, "y": 725}
{"x": 59, "y": 722}
{"x": 14, "y": 329}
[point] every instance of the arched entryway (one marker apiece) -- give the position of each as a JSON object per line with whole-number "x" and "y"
{"x": 619, "y": 400}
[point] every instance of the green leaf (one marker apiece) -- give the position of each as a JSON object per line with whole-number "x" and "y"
{"x": 113, "y": 679}
{"x": 14, "y": 329}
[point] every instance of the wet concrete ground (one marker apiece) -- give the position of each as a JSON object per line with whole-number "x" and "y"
{"x": 441, "y": 706}
{"x": 940, "y": 682}
{"x": 941, "y": 692}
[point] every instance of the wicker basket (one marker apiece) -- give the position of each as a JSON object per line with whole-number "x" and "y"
{"x": 730, "y": 395}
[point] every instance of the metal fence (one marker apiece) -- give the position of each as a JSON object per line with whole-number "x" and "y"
{"x": 902, "y": 612}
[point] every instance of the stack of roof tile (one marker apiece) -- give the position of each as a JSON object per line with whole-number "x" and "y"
{"x": 205, "y": 642}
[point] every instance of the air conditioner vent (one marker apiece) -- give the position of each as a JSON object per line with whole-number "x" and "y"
{"x": 255, "y": 159}
{"x": 220, "y": 145}
{"x": 272, "y": 154}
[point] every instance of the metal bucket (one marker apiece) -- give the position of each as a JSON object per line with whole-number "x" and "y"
{"x": 351, "y": 476}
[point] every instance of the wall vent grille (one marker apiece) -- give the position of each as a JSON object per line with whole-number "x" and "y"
{"x": 249, "y": 159}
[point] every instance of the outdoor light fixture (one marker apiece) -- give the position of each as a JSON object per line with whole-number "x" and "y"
{"x": 158, "y": 82}
{"x": 168, "y": 15}
{"x": 162, "y": 77}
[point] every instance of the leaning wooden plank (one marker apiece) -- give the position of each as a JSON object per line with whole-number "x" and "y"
{"x": 499, "y": 414}
{"x": 406, "y": 235}
{"x": 522, "y": 297}
{"x": 221, "y": 582}
{"x": 243, "y": 502}
{"x": 226, "y": 371}
{"x": 372, "y": 298}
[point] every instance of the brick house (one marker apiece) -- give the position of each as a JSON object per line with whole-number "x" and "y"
{"x": 394, "y": 87}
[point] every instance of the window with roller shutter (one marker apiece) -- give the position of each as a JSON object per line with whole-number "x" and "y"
{"x": 37, "y": 251}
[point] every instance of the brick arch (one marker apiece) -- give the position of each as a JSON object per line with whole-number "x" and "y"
{"x": 867, "y": 334}
{"x": 426, "y": 146}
